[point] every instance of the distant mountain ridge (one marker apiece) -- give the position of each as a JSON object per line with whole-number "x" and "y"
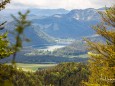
{"x": 75, "y": 24}
{"x": 85, "y": 15}
{"x": 34, "y": 12}
{"x": 56, "y": 23}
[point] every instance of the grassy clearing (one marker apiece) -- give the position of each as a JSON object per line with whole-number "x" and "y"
{"x": 33, "y": 67}
{"x": 78, "y": 56}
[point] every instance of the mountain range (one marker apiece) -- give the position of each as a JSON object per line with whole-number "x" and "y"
{"x": 48, "y": 24}
{"x": 75, "y": 24}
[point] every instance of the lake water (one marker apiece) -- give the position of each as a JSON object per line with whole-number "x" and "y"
{"x": 44, "y": 47}
{"x": 52, "y": 47}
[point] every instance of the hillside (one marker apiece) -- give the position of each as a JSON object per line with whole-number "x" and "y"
{"x": 36, "y": 36}
{"x": 75, "y": 24}
{"x": 59, "y": 24}
{"x": 77, "y": 48}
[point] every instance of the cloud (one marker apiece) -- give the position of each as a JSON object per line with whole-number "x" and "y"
{"x": 66, "y": 4}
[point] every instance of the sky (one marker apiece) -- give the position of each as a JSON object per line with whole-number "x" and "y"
{"x": 55, "y": 4}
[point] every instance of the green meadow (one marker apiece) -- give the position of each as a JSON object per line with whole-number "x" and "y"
{"x": 33, "y": 67}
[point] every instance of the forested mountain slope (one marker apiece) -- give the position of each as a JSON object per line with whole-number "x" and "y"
{"x": 75, "y": 24}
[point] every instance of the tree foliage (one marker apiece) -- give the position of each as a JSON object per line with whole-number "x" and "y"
{"x": 64, "y": 74}
{"x": 5, "y": 49}
{"x": 21, "y": 24}
{"x": 102, "y": 55}
{"x": 10, "y": 76}
{"x": 3, "y": 4}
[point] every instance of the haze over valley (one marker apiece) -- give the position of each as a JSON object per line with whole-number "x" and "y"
{"x": 56, "y": 33}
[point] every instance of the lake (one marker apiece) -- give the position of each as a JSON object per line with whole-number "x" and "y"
{"x": 51, "y": 47}
{"x": 47, "y": 47}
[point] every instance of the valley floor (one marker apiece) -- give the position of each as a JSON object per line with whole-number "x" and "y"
{"x": 33, "y": 67}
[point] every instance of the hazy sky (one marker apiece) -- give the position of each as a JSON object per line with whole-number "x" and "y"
{"x": 66, "y": 4}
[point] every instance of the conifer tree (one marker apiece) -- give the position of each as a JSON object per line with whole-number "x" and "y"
{"x": 3, "y": 4}
{"x": 5, "y": 49}
{"x": 21, "y": 24}
{"x": 102, "y": 55}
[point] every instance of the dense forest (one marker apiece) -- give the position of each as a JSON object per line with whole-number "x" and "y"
{"x": 65, "y": 74}
{"x": 98, "y": 71}
{"x": 70, "y": 74}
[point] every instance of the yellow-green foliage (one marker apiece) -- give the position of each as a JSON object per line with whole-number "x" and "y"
{"x": 5, "y": 75}
{"x": 65, "y": 74}
{"x": 17, "y": 77}
{"x": 102, "y": 55}
{"x": 5, "y": 50}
